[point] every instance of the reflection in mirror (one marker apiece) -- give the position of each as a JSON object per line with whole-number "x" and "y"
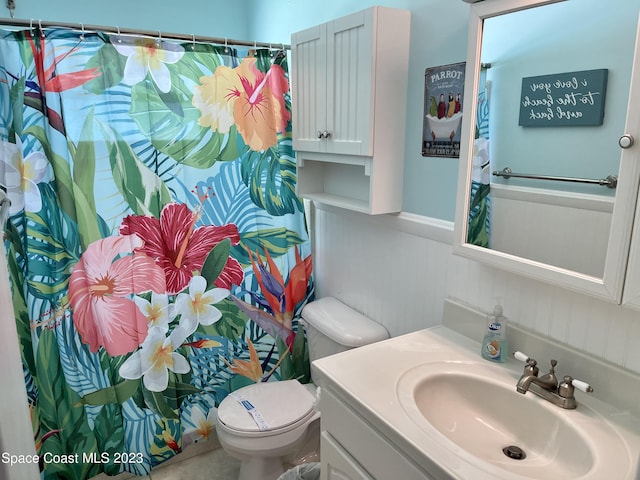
{"x": 574, "y": 235}
{"x": 538, "y": 219}
{"x": 534, "y": 218}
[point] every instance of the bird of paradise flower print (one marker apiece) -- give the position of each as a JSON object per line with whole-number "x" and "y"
{"x": 49, "y": 80}
{"x": 253, "y": 369}
{"x": 278, "y": 298}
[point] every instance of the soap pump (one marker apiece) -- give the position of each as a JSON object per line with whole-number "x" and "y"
{"x": 494, "y": 344}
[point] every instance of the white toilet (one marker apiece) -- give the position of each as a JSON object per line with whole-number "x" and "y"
{"x": 268, "y": 425}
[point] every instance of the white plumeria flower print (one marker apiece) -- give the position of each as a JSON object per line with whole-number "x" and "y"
{"x": 158, "y": 311}
{"x": 203, "y": 425}
{"x": 155, "y": 358}
{"x": 20, "y": 176}
{"x": 146, "y": 55}
{"x": 196, "y": 307}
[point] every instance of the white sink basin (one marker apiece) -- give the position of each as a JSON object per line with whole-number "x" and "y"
{"x": 473, "y": 409}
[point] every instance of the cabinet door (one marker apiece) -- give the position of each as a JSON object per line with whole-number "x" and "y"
{"x": 627, "y": 193}
{"x": 308, "y": 82}
{"x": 337, "y": 464}
{"x": 350, "y": 71}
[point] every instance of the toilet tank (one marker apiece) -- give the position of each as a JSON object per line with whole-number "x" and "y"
{"x": 333, "y": 327}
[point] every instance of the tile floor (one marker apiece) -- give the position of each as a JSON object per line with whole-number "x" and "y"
{"x": 204, "y": 461}
{"x": 210, "y": 465}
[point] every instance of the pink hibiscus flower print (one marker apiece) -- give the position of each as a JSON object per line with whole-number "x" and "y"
{"x": 102, "y": 283}
{"x": 180, "y": 248}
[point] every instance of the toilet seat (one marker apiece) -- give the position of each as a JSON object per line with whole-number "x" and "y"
{"x": 283, "y": 405}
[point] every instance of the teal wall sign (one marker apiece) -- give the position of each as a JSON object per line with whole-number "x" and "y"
{"x": 563, "y": 99}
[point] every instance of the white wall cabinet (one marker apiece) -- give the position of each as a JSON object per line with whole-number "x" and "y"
{"x": 349, "y": 94}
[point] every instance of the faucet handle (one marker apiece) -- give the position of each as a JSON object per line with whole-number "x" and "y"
{"x": 531, "y": 367}
{"x": 568, "y": 385}
{"x": 580, "y": 385}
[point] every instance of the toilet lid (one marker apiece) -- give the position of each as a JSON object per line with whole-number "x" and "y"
{"x": 279, "y": 404}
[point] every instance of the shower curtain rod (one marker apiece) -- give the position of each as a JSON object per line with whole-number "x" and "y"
{"x": 146, "y": 33}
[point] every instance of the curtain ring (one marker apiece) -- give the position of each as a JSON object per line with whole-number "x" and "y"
{"x": 270, "y": 50}
{"x": 31, "y": 25}
{"x": 82, "y": 34}
{"x": 193, "y": 42}
{"x": 226, "y": 45}
{"x": 119, "y": 40}
{"x": 40, "y": 28}
{"x": 159, "y": 39}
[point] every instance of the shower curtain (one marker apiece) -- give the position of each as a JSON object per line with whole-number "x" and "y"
{"x": 480, "y": 204}
{"x": 157, "y": 251}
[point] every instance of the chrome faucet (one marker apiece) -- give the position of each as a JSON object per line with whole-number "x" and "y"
{"x": 547, "y": 386}
{"x": 548, "y": 382}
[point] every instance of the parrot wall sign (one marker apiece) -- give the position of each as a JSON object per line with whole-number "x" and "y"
{"x": 564, "y": 99}
{"x": 443, "y": 106}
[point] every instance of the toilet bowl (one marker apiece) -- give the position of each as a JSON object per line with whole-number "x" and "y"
{"x": 263, "y": 423}
{"x": 271, "y": 425}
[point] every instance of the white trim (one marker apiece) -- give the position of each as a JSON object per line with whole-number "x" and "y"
{"x": 426, "y": 227}
{"x": 583, "y": 201}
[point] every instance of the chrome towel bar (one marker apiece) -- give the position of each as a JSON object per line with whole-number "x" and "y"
{"x": 611, "y": 181}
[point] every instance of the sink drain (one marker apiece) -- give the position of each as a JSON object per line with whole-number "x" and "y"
{"x": 514, "y": 452}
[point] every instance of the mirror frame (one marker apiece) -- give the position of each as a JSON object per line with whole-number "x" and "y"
{"x": 611, "y": 284}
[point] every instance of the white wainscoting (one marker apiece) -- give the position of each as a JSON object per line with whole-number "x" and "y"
{"x": 399, "y": 269}
{"x": 539, "y": 221}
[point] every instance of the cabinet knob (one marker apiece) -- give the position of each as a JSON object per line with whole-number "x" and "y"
{"x": 326, "y": 134}
{"x": 626, "y": 141}
{"x": 319, "y": 134}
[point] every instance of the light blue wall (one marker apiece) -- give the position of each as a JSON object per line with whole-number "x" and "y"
{"x": 216, "y": 18}
{"x": 438, "y": 37}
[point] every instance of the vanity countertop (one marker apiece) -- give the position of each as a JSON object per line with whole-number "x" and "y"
{"x": 368, "y": 378}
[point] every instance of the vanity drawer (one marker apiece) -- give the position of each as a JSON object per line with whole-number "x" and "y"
{"x": 377, "y": 455}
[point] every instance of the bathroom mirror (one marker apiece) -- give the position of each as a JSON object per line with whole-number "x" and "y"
{"x": 531, "y": 65}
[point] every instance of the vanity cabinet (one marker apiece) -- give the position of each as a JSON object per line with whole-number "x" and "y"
{"x": 349, "y": 93}
{"x": 352, "y": 449}
{"x": 337, "y": 464}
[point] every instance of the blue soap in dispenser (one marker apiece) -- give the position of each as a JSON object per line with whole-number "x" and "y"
{"x": 494, "y": 344}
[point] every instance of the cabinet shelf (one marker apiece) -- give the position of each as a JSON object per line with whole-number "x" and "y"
{"x": 337, "y": 184}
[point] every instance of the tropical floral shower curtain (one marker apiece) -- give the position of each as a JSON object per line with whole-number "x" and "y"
{"x": 480, "y": 203}
{"x": 158, "y": 254}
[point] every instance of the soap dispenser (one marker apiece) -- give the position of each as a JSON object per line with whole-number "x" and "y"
{"x": 494, "y": 344}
